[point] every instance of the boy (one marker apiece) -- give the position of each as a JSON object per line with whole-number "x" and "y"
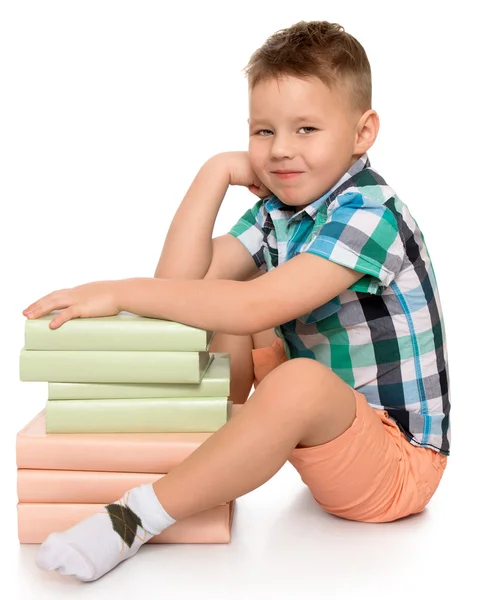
{"x": 332, "y": 261}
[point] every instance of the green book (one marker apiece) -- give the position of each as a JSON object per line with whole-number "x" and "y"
{"x": 216, "y": 382}
{"x": 137, "y": 415}
{"x": 107, "y": 366}
{"x": 124, "y": 331}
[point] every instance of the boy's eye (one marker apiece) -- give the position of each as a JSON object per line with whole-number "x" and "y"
{"x": 313, "y": 128}
{"x": 269, "y": 131}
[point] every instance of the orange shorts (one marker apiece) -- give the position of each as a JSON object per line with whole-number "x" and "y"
{"x": 371, "y": 472}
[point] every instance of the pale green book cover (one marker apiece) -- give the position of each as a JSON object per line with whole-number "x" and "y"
{"x": 139, "y": 415}
{"x": 107, "y": 366}
{"x": 124, "y": 331}
{"x": 216, "y": 382}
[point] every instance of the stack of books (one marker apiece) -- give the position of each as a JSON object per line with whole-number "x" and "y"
{"x": 129, "y": 398}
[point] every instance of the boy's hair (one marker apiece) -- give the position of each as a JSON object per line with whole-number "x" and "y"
{"x": 315, "y": 49}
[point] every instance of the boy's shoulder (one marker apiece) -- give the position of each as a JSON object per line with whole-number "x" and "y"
{"x": 368, "y": 190}
{"x": 364, "y": 189}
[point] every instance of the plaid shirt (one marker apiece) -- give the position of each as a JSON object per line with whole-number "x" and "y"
{"x": 384, "y": 336}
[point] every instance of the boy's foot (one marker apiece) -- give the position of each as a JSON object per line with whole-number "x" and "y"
{"x": 98, "y": 543}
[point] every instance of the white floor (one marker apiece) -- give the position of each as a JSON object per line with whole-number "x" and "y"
{"x": 284, "y": 546}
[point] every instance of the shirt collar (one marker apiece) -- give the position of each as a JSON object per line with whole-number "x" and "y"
{"x": 273, "y": 203}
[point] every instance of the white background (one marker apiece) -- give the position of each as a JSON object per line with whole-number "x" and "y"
{"x": 107, "y": 111}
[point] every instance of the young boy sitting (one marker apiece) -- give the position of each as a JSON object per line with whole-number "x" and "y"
{"x": 353, "y": 389}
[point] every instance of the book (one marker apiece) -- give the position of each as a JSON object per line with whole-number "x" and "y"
{"x": 124, "y": 452}
{"x": 113, "y": 366}
{"x": 36, "y": 521}
{"x": 136, "y": 415}
{"x": 216, "y": 382}
{"x": 124, "y": 331}
{"x": 80, "y": 487}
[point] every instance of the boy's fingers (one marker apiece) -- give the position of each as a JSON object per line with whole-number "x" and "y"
{"x": 261, "y": 192}
{"x": 73, "y": 312}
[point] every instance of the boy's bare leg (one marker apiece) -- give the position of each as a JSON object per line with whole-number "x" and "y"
{"x": 263, "y": 339}
{"x": 300, "y": 402}
{"x": 241, "y": 363}
{"x": 241, "y": 366}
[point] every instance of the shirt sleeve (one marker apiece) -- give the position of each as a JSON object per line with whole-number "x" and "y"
{"x": 249, "y": 230}
{"x": 361, "y": 233}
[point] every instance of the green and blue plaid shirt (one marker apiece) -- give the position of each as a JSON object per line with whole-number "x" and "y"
{"x": 384, "y": 336}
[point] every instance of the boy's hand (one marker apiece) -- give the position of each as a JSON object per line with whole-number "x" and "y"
{"x": 97, "y": 299}
{"x": 241, "y": 172}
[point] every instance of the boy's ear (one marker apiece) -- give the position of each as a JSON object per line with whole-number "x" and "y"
{"x": 366, "y": 131}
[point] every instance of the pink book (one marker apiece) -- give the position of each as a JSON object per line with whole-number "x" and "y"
{"x": 125, "y": 452}
{"x": 79, "y": 487}
{"x": 37, "y": 521}
{"x": 128, "y": 452}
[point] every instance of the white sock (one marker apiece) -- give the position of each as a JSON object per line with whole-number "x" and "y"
{"x": 98, "y": 543}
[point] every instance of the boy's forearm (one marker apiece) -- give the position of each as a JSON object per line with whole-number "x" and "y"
{"x": 218, "y": 305}
{"x": 188, "y": 248}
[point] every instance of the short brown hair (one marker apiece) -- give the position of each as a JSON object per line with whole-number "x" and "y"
{"x": 315, "y": 49}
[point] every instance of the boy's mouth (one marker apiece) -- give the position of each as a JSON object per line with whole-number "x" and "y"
{"x": 287, "y": 174}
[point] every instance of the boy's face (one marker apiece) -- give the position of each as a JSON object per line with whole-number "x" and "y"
{"x": 320, "y": 147}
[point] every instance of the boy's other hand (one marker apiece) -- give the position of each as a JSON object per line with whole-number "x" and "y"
{"x": 240, "y": 172}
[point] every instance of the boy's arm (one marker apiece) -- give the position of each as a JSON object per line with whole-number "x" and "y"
{"x": 231, "y": 260}
{"x": 188, "y": 248}
{"x": 287, "y": 292}
{"x": 294, "y": 288}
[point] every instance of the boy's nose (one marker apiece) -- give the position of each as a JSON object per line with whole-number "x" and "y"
{"x": 282, "y": 148}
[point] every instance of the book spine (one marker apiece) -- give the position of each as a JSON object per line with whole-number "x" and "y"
{"x": 81, "y": 487}
{"x": 207, "y": 388}
{"x": 121, "y": 452}
{"x": 215, "y": 382}
{"x": 37, "y": 520}
{"x": 98, "y": 334}
{"x": 137, "y": 415}
{"x": 111, "y": 366}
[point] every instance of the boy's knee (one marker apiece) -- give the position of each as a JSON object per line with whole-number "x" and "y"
{"x": 307, "y": 371}
{"x": 297, "y": 377}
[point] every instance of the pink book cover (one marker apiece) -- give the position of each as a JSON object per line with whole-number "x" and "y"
{"x": 36, "y": 521}
{"x": 118, "y": 452}
{"x": 80, "y": 487}
{"x": 126, "y": 452}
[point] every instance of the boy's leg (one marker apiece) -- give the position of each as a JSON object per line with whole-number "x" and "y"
{"x": 241, "y": 366}
{"x": 300, "y": 403}
{"x": 241, "y": 359}
{"x": 263, "y": 339}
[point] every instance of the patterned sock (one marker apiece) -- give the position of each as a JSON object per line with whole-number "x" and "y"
{"x": 98, "y": 543}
